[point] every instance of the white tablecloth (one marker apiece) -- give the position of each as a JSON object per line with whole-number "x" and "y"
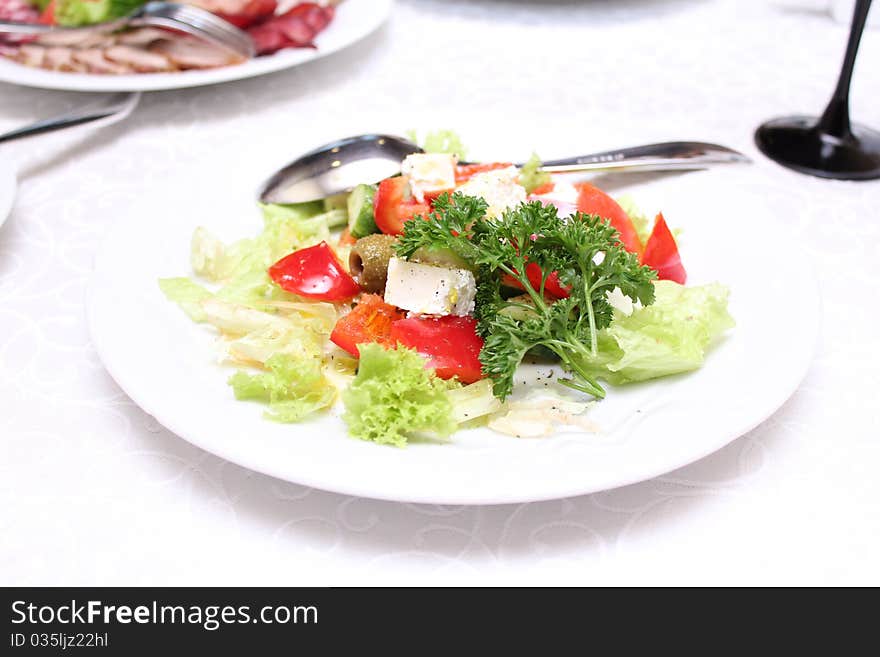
{"x": 93, "y": 491}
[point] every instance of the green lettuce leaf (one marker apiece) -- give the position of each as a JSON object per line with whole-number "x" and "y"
{"x": 668, "y": 337}
{"x": 530, "y": 175}
{"x": 188, "y": 294}
{"x": 241, "y": 268}
{"x": 640, "y": 220}
{"x": 440, "y": 141}
{"x": 72, "y": 13}
{"x": 394, "y": 395}
{"x": 294, "y": 387}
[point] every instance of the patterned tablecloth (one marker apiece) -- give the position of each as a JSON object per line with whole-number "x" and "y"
{"x": 94, "y": 491}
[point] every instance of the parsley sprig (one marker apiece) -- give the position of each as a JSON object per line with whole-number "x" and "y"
{"x": 585, "y": 251}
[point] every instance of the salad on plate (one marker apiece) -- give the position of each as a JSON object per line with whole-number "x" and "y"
{"x": 450, "y": 296}
{"x": 272, "y": 25}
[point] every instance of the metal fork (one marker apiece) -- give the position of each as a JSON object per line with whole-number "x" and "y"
{"x": 102, "y": 112}
{"x": 192, "y": 20}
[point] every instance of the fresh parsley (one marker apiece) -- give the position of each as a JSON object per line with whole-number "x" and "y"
{"x": 583, "y": 249}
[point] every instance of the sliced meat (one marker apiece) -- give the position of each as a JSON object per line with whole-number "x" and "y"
{"x": 189, "y": 52}
{"x": 59, "y": 58}
{"x": 141, "y": 36}
{"x": 95, "y": 62}
{"x": 142, "y": 61}
{"x": 74, "y": 39}
{"x": 30, "y": 54}
{"x": 296, "y": 28}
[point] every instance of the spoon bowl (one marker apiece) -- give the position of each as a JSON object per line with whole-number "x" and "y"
{"x": 337, "y": 167}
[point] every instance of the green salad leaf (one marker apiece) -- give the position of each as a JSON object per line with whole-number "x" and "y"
{"x": 293, "y": 387}
{"x": 641, "y": 222}
{"x": 188, "y": 294}
{"x": 669, "y": 337}
{"x": 440, "y": 141}
{"x": 531, "y": 176}
{"x": 72, "y": 13}
{"x": 394, "y": 395}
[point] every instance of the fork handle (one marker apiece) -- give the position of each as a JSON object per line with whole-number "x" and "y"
{"x": 109, "y": 110}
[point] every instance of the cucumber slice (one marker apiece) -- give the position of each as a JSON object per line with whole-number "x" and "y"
{"x": 336, "y": 202}
{"x": 361, "y": 220}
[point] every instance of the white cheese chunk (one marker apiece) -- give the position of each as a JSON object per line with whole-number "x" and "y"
{"x": 429, "y": 172}
{"x": 498, "y": 188}
{"x": 563, "y": 191}
{"x": 429, "y": 290}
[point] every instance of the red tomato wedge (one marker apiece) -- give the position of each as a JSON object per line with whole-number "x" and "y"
{"x": 369, "y": 321}
{"x": 661, "y": 253}
{"x": 392, "y": 208}
{"x": 552, "y": 286}
{"x": 464, "y": 172}
{"x": 450, "y": 344}
{"x": 48, "y": 15}
{"x": 251, "y": 12}
{"x": 592, "y": 200}
{"x": 546, "y": 188}
{"x": 315, "y": 273}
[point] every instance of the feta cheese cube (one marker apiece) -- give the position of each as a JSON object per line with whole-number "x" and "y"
{"x": 429, "y": 290}
{"x": 498, "y": 188}
{"x": 429, "y": 172}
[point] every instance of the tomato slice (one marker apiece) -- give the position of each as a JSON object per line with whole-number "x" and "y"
{"x": 251, "y": 12}
{"x": 392, "y": 208}
{"x": 316, "y": 273}
{"x": 592, "y": 200}
{"x": 48, "y": 15}
{"x": 369, "y": 321}
{"x": 450, "y": 344}
{"x": 546, "y": 188}
{"x": 661, "y": 253}
{"x": 464, "y": 172}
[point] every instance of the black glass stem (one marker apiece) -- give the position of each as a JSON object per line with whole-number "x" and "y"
{"x": 829, "y": 146}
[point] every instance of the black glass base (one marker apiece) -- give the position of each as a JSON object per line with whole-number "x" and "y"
{"x": 795, "y": 142}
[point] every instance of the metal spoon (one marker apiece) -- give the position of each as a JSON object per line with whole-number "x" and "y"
{"x": 338, "y": 166}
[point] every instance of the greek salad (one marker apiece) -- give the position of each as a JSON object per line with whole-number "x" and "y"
{"x": 450, "y": 296}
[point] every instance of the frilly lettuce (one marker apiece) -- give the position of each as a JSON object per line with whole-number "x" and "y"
{"x": 668, "y": 337}
{"x": 394, "y": 395}
{"x": 293, "y": 387}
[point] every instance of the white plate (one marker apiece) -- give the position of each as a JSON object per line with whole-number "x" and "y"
{"x": 167, "y": 365}
{"x": 7, "y": 190}
{"x": 354, "y": 20}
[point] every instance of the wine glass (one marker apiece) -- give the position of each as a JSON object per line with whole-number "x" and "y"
{"x": 828, "y": 146}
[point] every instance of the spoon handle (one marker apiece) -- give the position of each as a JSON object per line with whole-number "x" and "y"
{"x": 667, "y": 156}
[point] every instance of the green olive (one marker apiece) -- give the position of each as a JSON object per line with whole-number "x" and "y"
{"x": 368, "y": 261}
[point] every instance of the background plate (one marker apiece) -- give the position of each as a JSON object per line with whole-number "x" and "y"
{"x": 8, "y": 185}
{"x": 354, "y": 20}
{"x": 167, "y": 365}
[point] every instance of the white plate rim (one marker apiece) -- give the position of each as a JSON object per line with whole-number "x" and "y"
{"x": 184, "y": 429}
{"x": 365, "y": 17}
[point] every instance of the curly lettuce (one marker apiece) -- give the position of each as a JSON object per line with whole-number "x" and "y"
{"x": 393, "y": 396}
